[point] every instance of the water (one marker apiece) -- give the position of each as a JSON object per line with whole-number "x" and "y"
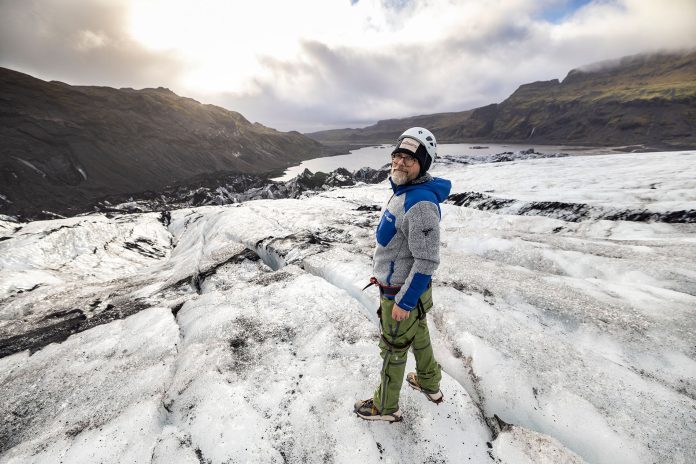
{"x": 377, "y": 156}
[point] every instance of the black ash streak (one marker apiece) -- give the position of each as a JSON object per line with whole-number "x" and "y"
{"x": 571, "y": 212}
{"x": 69, "y": 322}
{"x": 219, "y": 190}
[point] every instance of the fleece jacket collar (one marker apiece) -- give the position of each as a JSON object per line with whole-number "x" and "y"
{"x": 440, "y": 187}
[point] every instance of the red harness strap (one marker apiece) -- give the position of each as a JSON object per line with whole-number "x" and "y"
{"x": 387, "y": 290}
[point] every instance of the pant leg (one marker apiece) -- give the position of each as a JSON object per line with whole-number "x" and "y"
{"x": 427, "y": 368}
{"x": 394, "y": 343}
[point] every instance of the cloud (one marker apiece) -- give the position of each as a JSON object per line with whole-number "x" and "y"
{"x": 80, "y": 42}
{"x": 278, "y": 64}
{"x": 478, "y": 59}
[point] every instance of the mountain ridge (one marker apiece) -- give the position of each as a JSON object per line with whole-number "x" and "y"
{"x": 639, "y": 99}
{"x": 65, "y": 146}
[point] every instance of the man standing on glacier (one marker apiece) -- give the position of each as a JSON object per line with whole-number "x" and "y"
{"x": 406, "y": 256}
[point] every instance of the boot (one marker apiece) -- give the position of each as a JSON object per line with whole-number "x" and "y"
{"x": 434, "y": 396}
{"x": 365, "y": 409}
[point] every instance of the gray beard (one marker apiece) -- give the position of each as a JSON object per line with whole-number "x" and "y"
{"x": 400, "y": 178}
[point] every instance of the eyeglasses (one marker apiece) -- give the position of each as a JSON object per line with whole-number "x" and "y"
{"x": 408, "y": 160}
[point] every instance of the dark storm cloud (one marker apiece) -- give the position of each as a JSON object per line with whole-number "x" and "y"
{"x": 355, "y": 73}
{"x": 503, "y": 35}
{"x": 273, "y": 110}
{"x": 351, "y": 85}
{"x": 79, "y": 42}
{"x": 356, "y": 87}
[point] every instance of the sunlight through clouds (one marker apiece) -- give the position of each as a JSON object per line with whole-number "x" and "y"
{"x": 226, "y": 42}
{"x": 315, "y": 64}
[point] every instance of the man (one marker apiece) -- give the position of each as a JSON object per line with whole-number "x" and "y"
{"x": 406, "y": 256}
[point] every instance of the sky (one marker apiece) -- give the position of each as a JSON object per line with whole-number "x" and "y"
{"x": 310, "y": 65}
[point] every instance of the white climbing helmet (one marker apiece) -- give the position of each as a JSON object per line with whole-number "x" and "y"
{"x": 426, "y": 138}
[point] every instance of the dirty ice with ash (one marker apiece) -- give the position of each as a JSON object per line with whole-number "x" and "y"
{"x": 248, "y": 338}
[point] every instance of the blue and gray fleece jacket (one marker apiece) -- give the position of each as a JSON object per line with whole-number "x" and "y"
{"x": 408, "y": 237}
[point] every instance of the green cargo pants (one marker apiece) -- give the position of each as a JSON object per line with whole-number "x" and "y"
{"x": 396, "y": 339}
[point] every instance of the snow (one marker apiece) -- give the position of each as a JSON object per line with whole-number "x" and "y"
{"x": 523, "y": 446}
{"x": 657, "y": 181}
{"x": 101, "y": 402}
{"x": 577, "y": 334}
{"x": 291, "y": 372}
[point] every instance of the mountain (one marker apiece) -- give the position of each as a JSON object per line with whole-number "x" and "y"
{"x": 65, "y": 146}
{"x": 642, "y": 99}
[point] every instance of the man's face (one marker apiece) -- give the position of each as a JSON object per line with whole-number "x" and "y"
{"x": 404, "y": 168}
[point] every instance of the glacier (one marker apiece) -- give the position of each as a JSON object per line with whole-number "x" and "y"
{"x": 241, "y": 333}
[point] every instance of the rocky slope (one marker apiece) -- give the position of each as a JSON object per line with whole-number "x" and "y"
{"x": 638, "y": 100}
{"x": 65, "y": 146}
{"x": 238, "y": 188}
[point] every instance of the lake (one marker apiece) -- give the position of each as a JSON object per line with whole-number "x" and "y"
{"x": 377, "y": 156}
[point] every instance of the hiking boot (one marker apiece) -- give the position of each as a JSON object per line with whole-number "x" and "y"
{"x": 366, "y": 409}
{"x": 434, "y": 396}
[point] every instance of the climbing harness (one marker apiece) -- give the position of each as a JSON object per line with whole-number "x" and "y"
{"x": 386, "y": 290}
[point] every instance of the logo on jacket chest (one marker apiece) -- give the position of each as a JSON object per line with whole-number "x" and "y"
{"x": 386, "y": 228}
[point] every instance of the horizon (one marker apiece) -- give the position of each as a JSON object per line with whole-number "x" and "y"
{"x": 361, "y": 63}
